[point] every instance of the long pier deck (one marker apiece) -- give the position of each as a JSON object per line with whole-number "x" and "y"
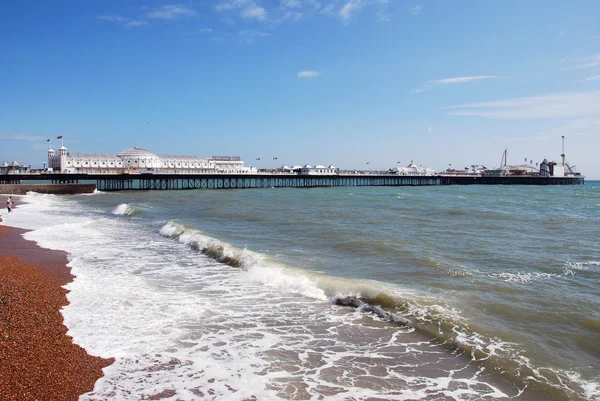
{"x": 122, "y": 182}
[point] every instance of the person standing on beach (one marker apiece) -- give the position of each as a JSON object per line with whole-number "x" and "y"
{"x": 9, "y": 202}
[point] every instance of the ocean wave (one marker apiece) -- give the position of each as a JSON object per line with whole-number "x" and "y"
{"x": 270, "y": 272}
{"x": 125, "y": 209}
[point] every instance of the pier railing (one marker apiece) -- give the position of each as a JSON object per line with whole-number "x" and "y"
{"x": 121, "y": 182}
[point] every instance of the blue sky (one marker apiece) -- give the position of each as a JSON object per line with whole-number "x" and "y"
{"x": 307, "y": 81}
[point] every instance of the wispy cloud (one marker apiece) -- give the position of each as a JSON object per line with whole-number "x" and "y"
{"x": 171, "y": 12}
{"x": 429, "y": 129}
{"x": 248, "y": 36}
{"x": 308, "y": 74}
{"x": 590, "y": 61}
{"x": 293, "y": 10}
{"x": 557, "y": 105}
{"x": 291, "y": 3}
{"x": 383, "y": 15}
{"x": 588, "y": 64}
{"x": 248, "y": 8}
{"x": 123, "y": 21}
{"x": 595, "y": 78}
{"x": 134, "y": 23}
{"x": 568, "y": 56}
{"x": 429, "y": 85}
{"x": 416, "y": 10}
{"x": 349, "y": 9}
{"x": 255, "y": 11}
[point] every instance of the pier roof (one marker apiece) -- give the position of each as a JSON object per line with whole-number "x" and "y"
{"x": 77, "y": 155}
{"x": 136, "y": 152}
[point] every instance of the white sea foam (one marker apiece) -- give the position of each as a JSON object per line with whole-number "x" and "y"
{"x": 123, "y": 209}
{"x": 526, "y": 278}
{"x": 583, "y": 265}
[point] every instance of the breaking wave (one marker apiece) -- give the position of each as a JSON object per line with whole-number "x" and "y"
{"x": 125, "y": 209}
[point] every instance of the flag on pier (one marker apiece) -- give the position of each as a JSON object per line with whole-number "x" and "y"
{"x": 59, "y": 137}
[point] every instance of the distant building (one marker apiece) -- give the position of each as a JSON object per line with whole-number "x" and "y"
{"x": 412, "y": 169}
{"x": 137, "y": 160}
{"x": 319, "y": 170}
{"x": 14, "y": 168}
{"x": 517, "y": 169}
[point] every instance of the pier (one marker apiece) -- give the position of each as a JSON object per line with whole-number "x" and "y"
{"x": 124, "y": 182}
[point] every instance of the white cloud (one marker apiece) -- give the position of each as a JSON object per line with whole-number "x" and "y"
{"x": 291, "y": 3}
{"x": 416, "y": 10}
{"x": 254, "y": 11}
{"x": 249, "y": 9}
{"x": 557, "y": 105}
{"x": 349, "y": 9}
{"x": 248, "y": 36}
{"x": 383, "y": 15}
{"x": 112, "y": 18}
{"x": 595, "y": 78}
{"x": 456, "y": 80}
{"x": 328, "y": 9}
{"x": 429, "y": 129}
{"x": 308, "y": 74}
{"x": 591, "y": 61}
{"x": 171, "y": 12}
{"x": 586, "y": 65}
{"x": 568, "y": 56}
{"x": 123, "y": 21}
{"x": 134, "y": 23}
{"x": 292, "y": 10}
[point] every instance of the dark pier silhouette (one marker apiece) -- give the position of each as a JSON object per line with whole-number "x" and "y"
{"x": 122, "y": 182}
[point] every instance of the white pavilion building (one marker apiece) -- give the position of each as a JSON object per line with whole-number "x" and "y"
{"x": 413, "y": 170}
{"x": 138, "y": 160}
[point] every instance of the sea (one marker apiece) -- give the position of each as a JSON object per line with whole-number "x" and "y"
{"x": 352, "y": 293}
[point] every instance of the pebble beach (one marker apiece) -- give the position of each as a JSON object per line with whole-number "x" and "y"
{"x": 38, "y": 360}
